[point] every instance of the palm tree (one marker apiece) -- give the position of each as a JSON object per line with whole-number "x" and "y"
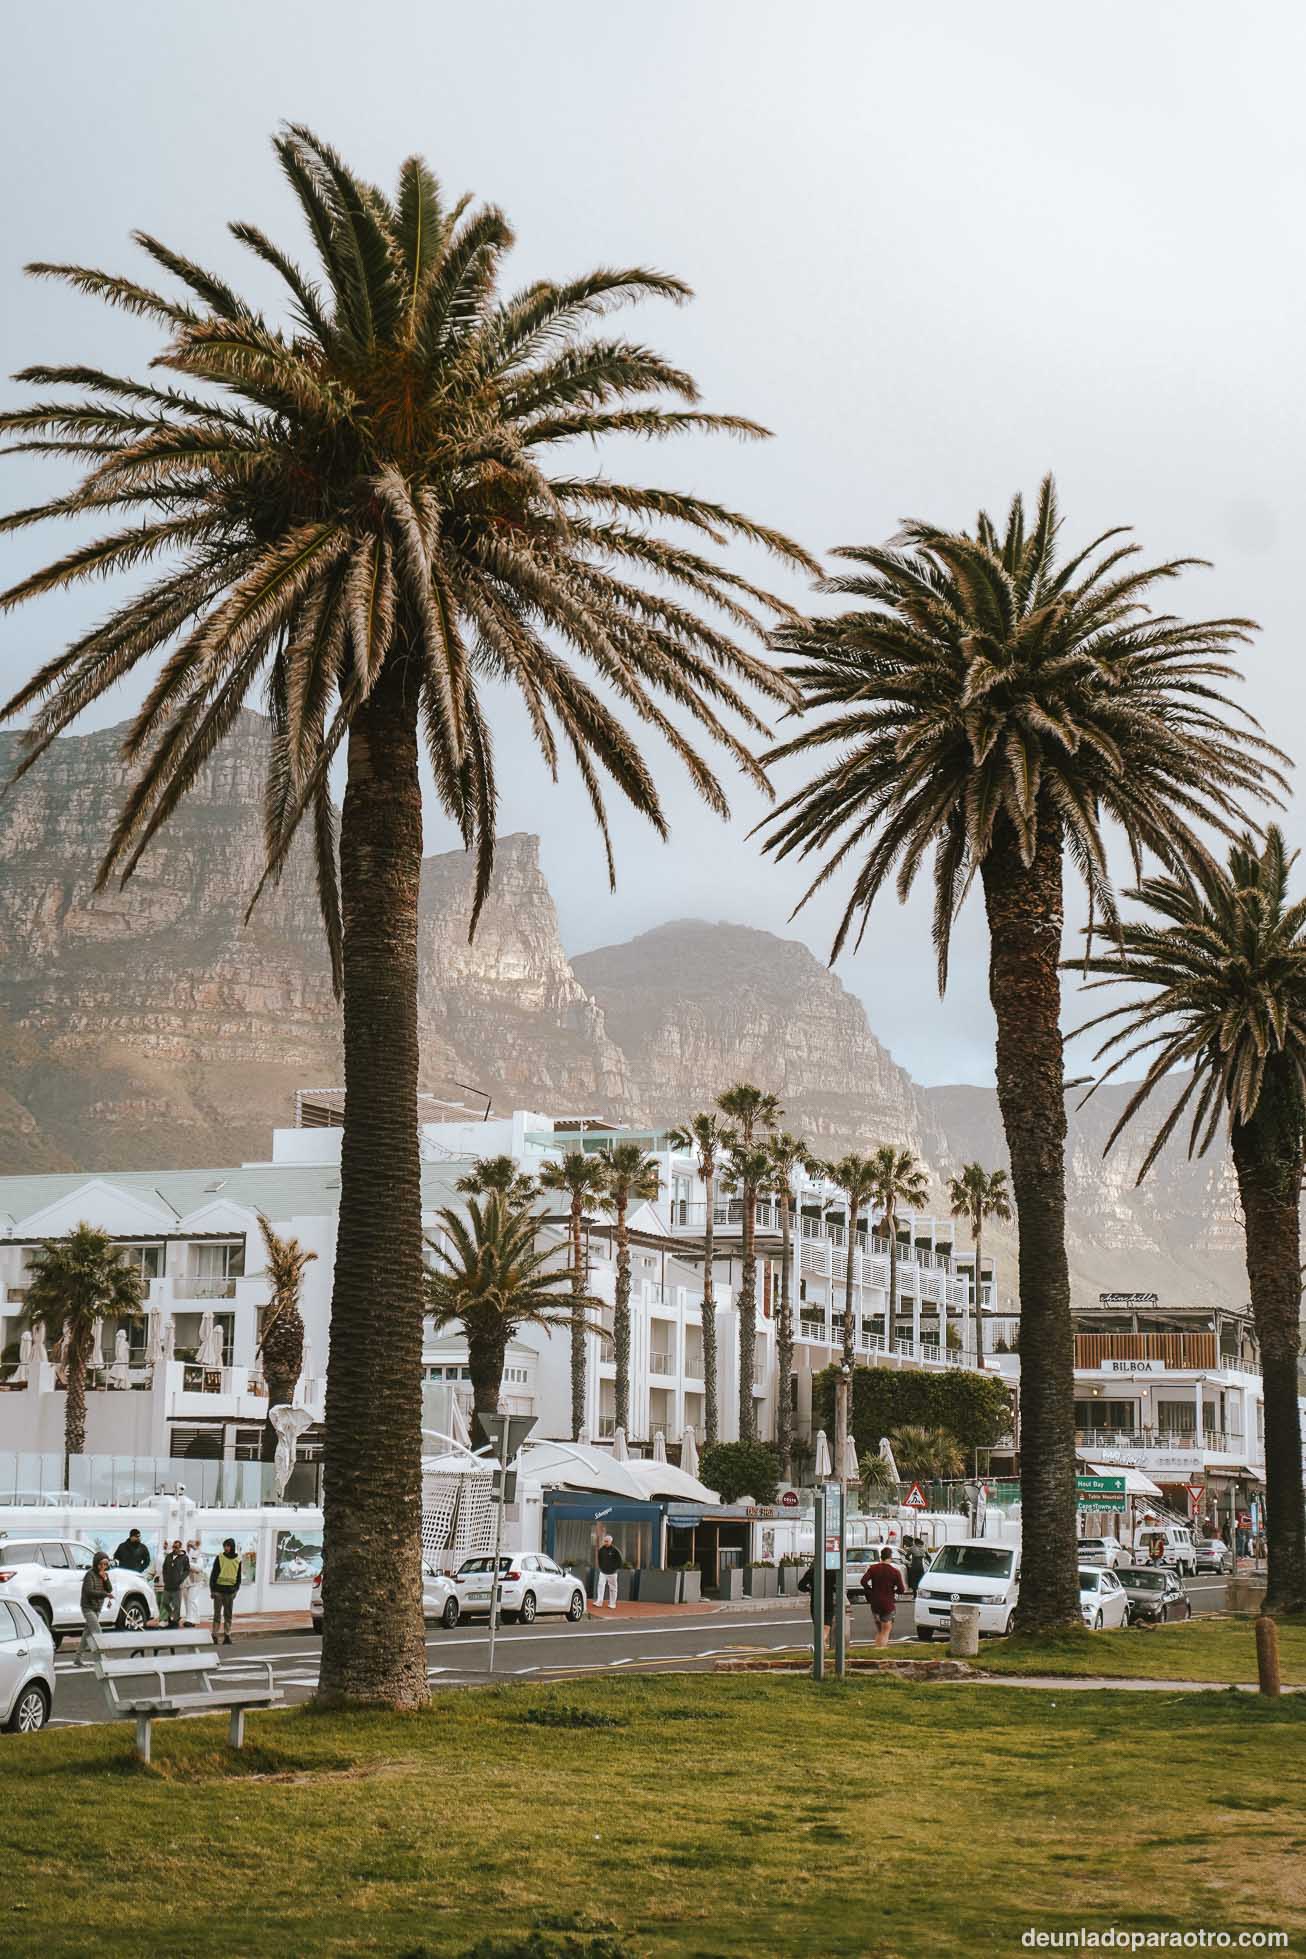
{"x": 497, "y": 1173}
{"x": 750, "y": 1109}
{"x": 877, "y": 1478}
{"x": 358, "y": 525}
{"x": 788, "y": 1154}
{"x": 583, "y": 1178}
{"x": 281, "y": 1342}
{"x": 899, "y": 1183}
{"x": 992, "y": 707}
{"x": 933, "y": 1453}
{"x": 976, "y": 1194}
{"x": 708, "y": 1137}
{"x": 856, "y": 1176}
{"x": 1222, "y": 955}
{"x": 74, "y": 1282}
{"x": 632, "y": 1178}
{"x": 490, "y": 1279}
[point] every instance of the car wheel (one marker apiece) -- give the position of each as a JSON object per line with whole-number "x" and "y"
{"x": 576, "y": 1610}
{"x": 43, "y": 1613}
{"x": 133, "y": 1616}
{"x": 1006, "y": 1625}
{"x": 925, "y": 1632}
{"x": 31, "y": 1710}
{"x": 527, "y": 1613}
{"x": 449, "y": 1617}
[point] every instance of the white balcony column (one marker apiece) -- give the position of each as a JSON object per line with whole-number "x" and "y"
{"x": 1199, "y": 1433}
{"x": 916, "y": 1315}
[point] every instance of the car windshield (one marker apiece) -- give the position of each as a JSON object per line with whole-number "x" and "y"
{"x": 975, "y": 1560}
{"x": 1143, "y": 1581}
{"x": 469, "y": 1566}
{"x": 1093, "y": 1543}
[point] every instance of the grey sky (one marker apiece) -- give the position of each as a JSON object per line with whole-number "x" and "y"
{"x": 936, "y": 250}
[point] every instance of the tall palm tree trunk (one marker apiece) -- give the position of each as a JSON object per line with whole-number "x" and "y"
{"x": 748, "y": 1317}
{"x": 784, "y": 1344}
{"x": 1267, "y": 1154}
{"x": 621, "y": 1324}
{"x": 485, "y": 1365}
{"x": 709, "y": 1315}
{"x": 979, "y": 1293}
{"x": 74, "y": 1413}
{"x": 578, "y": 1369}
{"x": 891, "y": 1312}
{"x": 848, "y": 1287}
{"x": 1024, "y": 907}
{"x": 373, "y": 1648}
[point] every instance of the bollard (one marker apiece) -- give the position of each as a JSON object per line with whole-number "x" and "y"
{"x": 963, "y": 1638}
{"x": 1267, "y": 1655}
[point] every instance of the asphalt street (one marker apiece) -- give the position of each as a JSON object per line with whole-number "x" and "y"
{"x": 548, "y": 1650}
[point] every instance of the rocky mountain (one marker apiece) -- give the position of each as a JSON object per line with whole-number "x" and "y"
{"x": 152, "y": 1025}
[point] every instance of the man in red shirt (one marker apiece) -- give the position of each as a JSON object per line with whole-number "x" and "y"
{"x": 883, "y": 1585}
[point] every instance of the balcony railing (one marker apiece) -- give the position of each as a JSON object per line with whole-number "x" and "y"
{"x": 1213, "y": 1440}
{"x": 204, "y": 1288}
{"x": 661, "y": 1362}
{"x": 1188, "y": 1351}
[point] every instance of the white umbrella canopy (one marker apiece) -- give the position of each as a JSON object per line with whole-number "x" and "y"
{"x": 580, "y": 1466}
{"x": 619, "y": 1450}
{"x": 822, "y": 1468}
{"x": 665, "y": 1480}
{"x": 851, "y": 1468}
{"x": 289, "y": 1423}
{"x": 886, "y": 1453}
{"x": 154, "y": 1344}
{"x": 689, "y": 1453}
{"x": 209, "y": 1351}
{"x": 659, "y": 1447}
{"x": 97, "y": 1345}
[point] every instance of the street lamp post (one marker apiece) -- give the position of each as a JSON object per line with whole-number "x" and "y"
{"x": 842, "y": 1386}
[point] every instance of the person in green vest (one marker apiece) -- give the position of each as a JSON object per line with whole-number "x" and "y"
{"x": 224, "y": 1583}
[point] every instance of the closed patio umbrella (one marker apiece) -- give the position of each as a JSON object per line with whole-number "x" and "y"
{"x": 209, "y": 1351}
{"x": 659, "y": 1447}
{"x": 689, "y": 1453}
{"x": 154, "y": 1344}
{"x": 822, "y": 1468}
{"x": 97, "y": 1345}
{"x": 851, "y": 1470}
{"x": 619, "y": 1450}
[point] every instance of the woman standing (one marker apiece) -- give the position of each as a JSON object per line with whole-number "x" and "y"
{"x": 193, "y": 1586}
{"x": 96, "y": 1588}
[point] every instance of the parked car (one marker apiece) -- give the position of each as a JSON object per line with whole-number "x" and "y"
{"x": 46, "y": 1574}
{"x": 1155, "y": 1596}
{"x": 26, "y": 1669}
{"x": 439, "y": 1599}
{"x": 973, "y": 1571}
{"x": 1108, "y": 1551}
{"x": 860, "y": 1559}
{"x": 529, "y": 1583}
{"x": 1211, "y": 1554}
{"x": 1167, "y": 1544}
{"x": 1102, "y": 1599}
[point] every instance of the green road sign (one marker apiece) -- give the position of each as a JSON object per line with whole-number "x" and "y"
{"x": 1100, "y": 1492}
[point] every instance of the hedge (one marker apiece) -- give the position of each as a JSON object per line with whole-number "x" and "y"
{"x": 976, "y": 1408}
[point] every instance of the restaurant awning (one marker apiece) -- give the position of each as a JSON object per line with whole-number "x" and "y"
{"x": 1136, "y": 1484}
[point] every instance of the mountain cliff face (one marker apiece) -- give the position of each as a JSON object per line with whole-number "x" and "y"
{"x": 153, "y": 1026}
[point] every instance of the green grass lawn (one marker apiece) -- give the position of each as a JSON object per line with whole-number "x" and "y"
{"x": 703, "y": 1815}
{"x": 1200, "y": 1649}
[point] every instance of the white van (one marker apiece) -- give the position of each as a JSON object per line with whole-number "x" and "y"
{"x": 1167, "y": 1544}
{"x": 972, "y": 1571}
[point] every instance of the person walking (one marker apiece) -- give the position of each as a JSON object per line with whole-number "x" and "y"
{"x": 176, "y": 1570}
{"x": 830, "y": 1589}
{"x": 96, "y": 1588}
{"x": 609, "y": 1561}
{"x": 224, "y": 1583}
{"x": 132, "y": 1554}
{"x": 915, "y": 1566}
{"x": 193, "y": 1588}
{"x": 883, "y": 1586}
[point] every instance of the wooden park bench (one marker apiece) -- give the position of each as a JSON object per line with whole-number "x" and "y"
{"x": 147, "y": 1676}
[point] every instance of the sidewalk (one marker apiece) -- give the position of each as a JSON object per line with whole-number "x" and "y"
{"x": 629, "y": 1612}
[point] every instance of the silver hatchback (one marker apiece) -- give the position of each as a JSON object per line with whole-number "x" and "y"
{"x": 26, "y": 1668}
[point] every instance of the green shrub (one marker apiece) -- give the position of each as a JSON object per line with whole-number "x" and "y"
{"x": 741, "y": 1469}
{"x": 976, "y": 1408}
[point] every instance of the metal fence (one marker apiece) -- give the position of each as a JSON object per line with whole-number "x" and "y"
{"x": 38, "y": 1482}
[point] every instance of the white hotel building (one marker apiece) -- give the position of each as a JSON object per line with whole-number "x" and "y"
{"x": 195, "y": 1235}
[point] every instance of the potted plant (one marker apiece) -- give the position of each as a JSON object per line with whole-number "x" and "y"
{"x": 789, "y": 1570}
{"x": 762, "y": 1579}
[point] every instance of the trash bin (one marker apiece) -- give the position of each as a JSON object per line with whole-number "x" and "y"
{"x": 963, "y": 1640}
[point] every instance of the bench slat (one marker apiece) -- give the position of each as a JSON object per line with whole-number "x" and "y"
{"x": 160, "y": 1663}
{"x": 156, "y": 1704}
{"x": 157, "y": 1638}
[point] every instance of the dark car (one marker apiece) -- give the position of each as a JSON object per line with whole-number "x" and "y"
{"x": 1154, "y": 1596}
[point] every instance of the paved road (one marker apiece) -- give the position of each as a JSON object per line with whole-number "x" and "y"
{"x": 550, "y": 1649}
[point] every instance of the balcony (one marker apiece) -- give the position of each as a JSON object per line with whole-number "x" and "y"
{"x": 1146, "y": 1441}
{"x": 204, "y": 1288}
{"x": 1116, "y": 1353}
{"x": 661, "y": 1362}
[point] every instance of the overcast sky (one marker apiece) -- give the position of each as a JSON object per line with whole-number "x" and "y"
{"x": 937, "y": 251}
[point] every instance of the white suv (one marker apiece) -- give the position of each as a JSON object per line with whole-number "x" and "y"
{"x": 26, "y": 1669}
{"x": 47, "y": 1572}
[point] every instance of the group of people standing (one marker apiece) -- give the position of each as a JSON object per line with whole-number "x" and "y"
{"x": 183, "y": 1584}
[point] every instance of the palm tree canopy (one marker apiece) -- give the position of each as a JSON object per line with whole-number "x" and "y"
{"x": 788, "y": 1154}
{"x": 900, "y": 1182}
{"x": 286, "y": 1261}
{"x": 706, "y": 1136}
{"x": 79, "y": 1279}
{"x": 1223, "y": 958}
{"x": 922, "y": 1451}
{"x": 748, "y": 1165}
{"x": 370, "y": 478}
{"x": 858, "y": 1177}
{"x": 750, "y": 1108}
{"x": 490, "y": 1277}
{"x": 978, "y": 682}
{"x": 632, "y": 1178}
{"x": 577, "y": 1175}
{"x": 497, "y": 1173}
{"x": 977, "y": 1194}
